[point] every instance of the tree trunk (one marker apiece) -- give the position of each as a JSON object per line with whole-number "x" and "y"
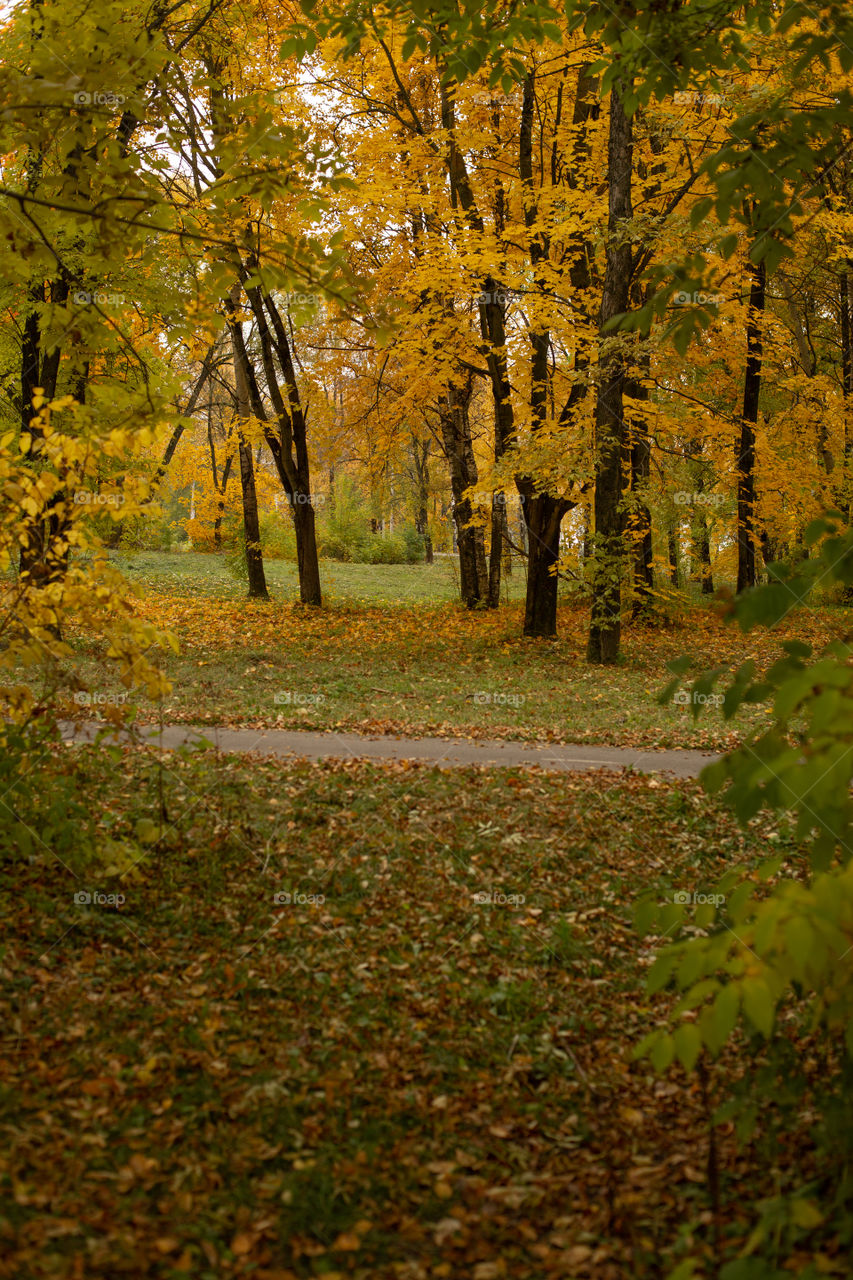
{"x": 456, "y": 435}
{"x": 251, "y": 526}
{"x": 607, "y": 565}
{"x": 745, "y": 457}
{"x": 543, "y": 515}
{"x": 672, "y": 548}
{"x": 496, "y": 548}
{"x": 639, "y": 515}
{"x": 846, "y": 502}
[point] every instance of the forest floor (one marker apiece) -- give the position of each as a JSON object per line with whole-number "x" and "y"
{"x": 352, "y": 1020}
{"x": 283, "y": 1019}
{"x": 422, "y": 667}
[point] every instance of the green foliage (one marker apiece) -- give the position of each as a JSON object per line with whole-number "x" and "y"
{"x": 771, "y": 963}
{"x": 344, "y": 533}
{"x": 278, "y": 539}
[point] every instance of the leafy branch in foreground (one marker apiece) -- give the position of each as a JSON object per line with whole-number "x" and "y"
{"x": 780, "y": 964}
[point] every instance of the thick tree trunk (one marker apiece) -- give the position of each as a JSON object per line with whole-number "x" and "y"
{"x": 543, "y": 515}
{"x": 607, "y": 567}
{"x": 745, "y": 456}
{"x": 307, "y": 560}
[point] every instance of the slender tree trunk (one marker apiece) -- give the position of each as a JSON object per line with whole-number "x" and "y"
{"x": 420, "y": 454}
{"x": 607, "y": 569}
{"x": 704, "y": 548}
{"x": 220, "y": 504}
{"x": 251, "y": 525}
{"x": 672, "y": 548}
{"x": 496, "y": 548}
{"x": 745, "y": 457}
{"x": 846, "y": 502}
{"x": 456, "y": 435}
{"x": 639, "y": 516}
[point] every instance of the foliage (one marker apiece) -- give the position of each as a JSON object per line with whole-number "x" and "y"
{"x": 779, "y": 962}
{"x": 408, "y": 1072}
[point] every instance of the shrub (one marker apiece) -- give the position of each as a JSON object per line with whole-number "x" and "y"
{"x": 777, "y": 964}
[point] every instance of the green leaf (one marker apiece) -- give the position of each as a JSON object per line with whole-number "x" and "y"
{"x": 758, "y": 1004}
{"x": 688, "y": 1045}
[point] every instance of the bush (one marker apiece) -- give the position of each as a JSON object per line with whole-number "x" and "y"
{"x": 415, "y": 548}
{"x": 344, "y": 528}
{"x": 278, "y": 537}
{"x": 344, "y": 533}
{"x": 386, "y": 548}
{"x": 775, "y": 963}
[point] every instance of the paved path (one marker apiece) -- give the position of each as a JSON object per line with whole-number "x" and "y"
{"x": 442, "y": 752}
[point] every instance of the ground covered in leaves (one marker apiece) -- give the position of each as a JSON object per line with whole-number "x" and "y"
{"x": 421, "y": 668}
{"x": 351, "y": 1020}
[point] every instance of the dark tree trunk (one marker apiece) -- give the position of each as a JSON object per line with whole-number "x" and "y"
{"x": 307, "y": 560}
{"x": 703, "y": 546}
{"x": 639, "y": 522}
{"x": 672, "y": 548}
{"x": 496, "y": 548}
{"x": 456, "y": 436}
{"x": 607, "y": 567}
{"x": 745, "y": 457}
{"x": 286, "y": 438}
{"x": 846, "y": 502}
{"x": 220, "y": 503}
{"x": 543, "y": 515}
{"x": 420, "y": 455}
{"x": 251, "y": 525}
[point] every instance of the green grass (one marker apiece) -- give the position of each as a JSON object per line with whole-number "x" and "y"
{"x": 422, "y": 666}
{"x": 209, "y": 575}
{"x": 205, "y": 1082}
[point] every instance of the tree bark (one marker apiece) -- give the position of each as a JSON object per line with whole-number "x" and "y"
{"x": 607, "y": 565}
{"x": 251, "y": 525}
{"x": 846, "y": 503}
{"x": 745, "y": 455}
{"x": 458, "y": 447}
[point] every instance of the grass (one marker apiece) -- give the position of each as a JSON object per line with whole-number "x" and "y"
{"x": 208, "y": 575}
{"x": 385, "y": 1077}
{"x": 423, "y": 666}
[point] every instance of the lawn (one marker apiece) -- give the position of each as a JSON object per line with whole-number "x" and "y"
{"x": 421, "y": 665}
{"x": 416, "y": 1063}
